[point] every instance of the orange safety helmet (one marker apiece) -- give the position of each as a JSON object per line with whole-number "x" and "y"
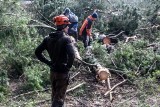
{"x": 61, "y": 20}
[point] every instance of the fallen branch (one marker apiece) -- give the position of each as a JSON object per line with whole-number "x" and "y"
{"x": 137, "y": 72}
{"x": 128, "y": 99}
{"x": 115, "y": 87}
{"x": 41, "y": 14}
{"x": 151, "y": 67}
{"x": 30, "y": 92}
{"x": 43, "y": 101}
{"x": 109, "y": 87}
{"x": 147, "y": 28}
{"x": 86, "y": 62}
{"x": 117, "y": 71}
{"x": 71, "y": 89}
{"x": 33, "y": 102}
{"x": 41, "y": 24}
{"x": 110, "y": 69}
{"x": 113, "y": 62}
{"x": 46, "y": 26}
{"x": 84, "y": 104}
{"x": 74, "y": 75}
{"x": 117, "y": 34}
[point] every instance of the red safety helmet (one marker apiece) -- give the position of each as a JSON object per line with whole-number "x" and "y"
{"x": 61, "y": 20}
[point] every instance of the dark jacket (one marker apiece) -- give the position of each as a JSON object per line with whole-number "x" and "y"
{"x": 86, "y": 26}
{"x": 60, "y": 49}
{"x": 72, "y": 17}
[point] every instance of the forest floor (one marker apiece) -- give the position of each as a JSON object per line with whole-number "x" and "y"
{"x": 89, "y": 94}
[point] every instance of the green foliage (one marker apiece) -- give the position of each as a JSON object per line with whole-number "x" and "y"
{"x": 80, "y": 48}
{"x": 20, "y": 61}
{"x": 152, "y": 13}
{"x": 147, "y": 85}
{"x": 13, "y": 25}
{"x": 140, "y": 44}
{"x": 3, "y": 84}
{"x": 44, "y": 11}
{"x": 131, "y": 58}
{"x": 156, "y": 75}
{"x": 99, "y": 52}
{"x": 37, "y": 76}
{"x": 3, "y": 78}
{"x": 88, "y": 8}
{"x": 81, "y": 91}
{"x": 17, "y": 42}
{"x": 127, "y": 21}
{"x": 20, "y": 55}
{"x": 14, "y": 20}
{"x": 50, "y": 9}
{"x": 2, "y": 95}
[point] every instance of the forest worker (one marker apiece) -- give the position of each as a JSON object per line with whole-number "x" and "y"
{"x": 72, "y": 31}
{"x": 61, "y": 52}
{"x": 85, "y": 30}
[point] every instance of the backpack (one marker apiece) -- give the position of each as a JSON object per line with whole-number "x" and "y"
{"x": 73, "y": 17}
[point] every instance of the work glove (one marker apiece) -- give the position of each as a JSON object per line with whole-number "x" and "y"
{"x": 90, "y": 38}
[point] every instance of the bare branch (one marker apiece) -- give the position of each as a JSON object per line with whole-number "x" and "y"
{"x": 86, "y": 62}
{"x": 147, "y": 28}
{"x": 41, "y": 14}
{"x": 115, "y": 87}
{"x": 117, "y": 34}
{"x": 30, "y": 92}
{"x": 113, "y": 62}
{"x": 75, "y": 75}
{"x": 151, "y": 67}
{"x": 116, "y": 71}
{"x": 79, "y": 85}
{"x": 109, "y": 87}
{"x": 46, "y": 26}
{"x": 42, "y": 24}
{"x": 110, "y": 69}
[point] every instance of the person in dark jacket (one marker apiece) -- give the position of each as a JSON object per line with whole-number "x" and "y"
{"x": 61, "y": 52}
{"x": 86, "y": 28}
{"x": 72, "y": 31}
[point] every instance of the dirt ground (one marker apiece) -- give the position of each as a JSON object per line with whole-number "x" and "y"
{"x": 89, "y": 94}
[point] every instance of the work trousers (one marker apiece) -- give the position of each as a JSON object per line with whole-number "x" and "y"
{"x": 59, "y": 83}
{"x": 86, "y": 41}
